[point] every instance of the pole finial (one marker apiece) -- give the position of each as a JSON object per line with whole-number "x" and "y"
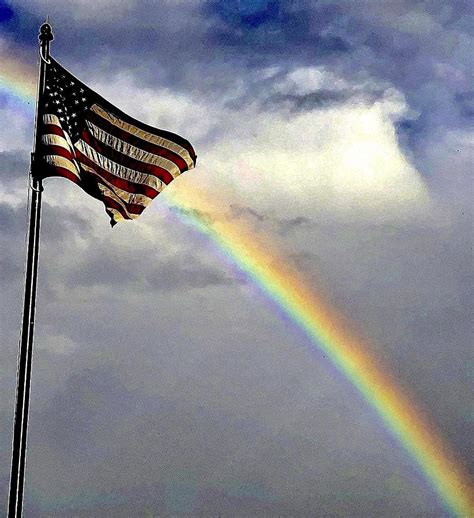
{"x": 46, "y": 34}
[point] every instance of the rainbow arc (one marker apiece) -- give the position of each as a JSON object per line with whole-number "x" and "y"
{"x": 329, "y": 332}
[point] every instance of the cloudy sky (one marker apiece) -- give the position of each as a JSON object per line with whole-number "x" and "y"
{"x": 164, "y": 382}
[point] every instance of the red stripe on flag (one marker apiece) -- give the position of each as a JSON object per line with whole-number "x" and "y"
{"x": 54, "y": 129}
{"x": 60, "y": 151}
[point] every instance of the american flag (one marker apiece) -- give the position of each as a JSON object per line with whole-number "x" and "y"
{"x": 113, "y": 157}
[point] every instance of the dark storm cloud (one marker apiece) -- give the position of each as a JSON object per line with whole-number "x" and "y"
{"x": 275, "y": 28}
{"x": 423, "y": 50}
{"x": 162, "y": 32}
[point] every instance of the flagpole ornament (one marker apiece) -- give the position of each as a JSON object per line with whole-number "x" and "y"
{"x": 45, "y": 37}
{"x": 46, "y": 33}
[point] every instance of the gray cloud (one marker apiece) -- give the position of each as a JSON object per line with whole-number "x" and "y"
{"x": 310, "y": 101}
{"x": 194, "y": 213}
{"x": 14, "y": 166}
{"x": 466, "y": 103}
{"x": 276, "y": 224}
{"x": 144, "y": 269}
{"x": 220, "y": 400}
{"x": 237, "y": 211}
{"x": 12, "y": 219}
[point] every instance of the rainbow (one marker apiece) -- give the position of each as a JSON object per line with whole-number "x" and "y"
{"x": 18, "y": 80}
{"x": 324, "y": 327}
{"x": 329, "y": 333}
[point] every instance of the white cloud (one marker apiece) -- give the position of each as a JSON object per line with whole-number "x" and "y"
{"x": 344, "y": 159}
{"x": 304, "y": 80}
{"x": 417, "y": 22}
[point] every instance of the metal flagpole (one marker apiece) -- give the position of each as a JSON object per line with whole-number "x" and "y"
{"x": 20, "y": 427}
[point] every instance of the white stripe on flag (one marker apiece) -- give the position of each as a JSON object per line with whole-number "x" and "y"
{"x": 60, "y": 161}
{"x": 56, "y": 140}
{"x": 49, "y": 118}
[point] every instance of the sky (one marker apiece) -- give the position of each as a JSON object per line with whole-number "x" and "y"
{"x": 166, "y": 381}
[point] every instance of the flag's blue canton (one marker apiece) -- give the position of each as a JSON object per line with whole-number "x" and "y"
{"x": 67, "y": 98}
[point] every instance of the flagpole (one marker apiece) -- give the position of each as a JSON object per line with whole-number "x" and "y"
{"x": 25, "y": 352}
